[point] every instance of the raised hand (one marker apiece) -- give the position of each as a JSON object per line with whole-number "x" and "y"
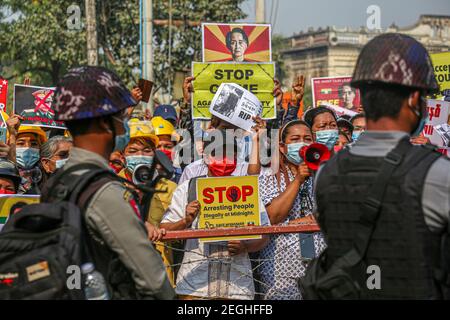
{"x": 277, "y": 92}
{"x": 298, "y": 90}
{"x": 137, "y": 94}
{"x": 13, "y": 124}
{"x": 188, "y": 89}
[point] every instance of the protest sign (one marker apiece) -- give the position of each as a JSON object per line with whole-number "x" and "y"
{"x": 236, "y": 105}
{"x": 441, "y": 66}
{"x": 254, "y": 77}
{"x": 228, "y": 202}
{"x": 3, "y": 118}
{"x": 340, "y": 111}
{"x": 3, "y": 94}
{"x": 35, "y": 105}
{"x": 434, "y": 130}
{"x": 10, "y": 204}
{"x": 335, "y": 91}
{"x": 236, "y": 42}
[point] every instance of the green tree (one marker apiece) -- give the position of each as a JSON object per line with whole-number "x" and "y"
{"x": 185, "y": 40}
{"x": 278, "y": 45}
{"x": 38, "y": 43}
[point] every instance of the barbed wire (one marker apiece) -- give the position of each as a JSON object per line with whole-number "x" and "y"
{"x": 286, "y": 254}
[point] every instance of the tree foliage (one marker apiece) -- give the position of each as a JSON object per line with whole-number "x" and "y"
{"x": 38, "y": 43}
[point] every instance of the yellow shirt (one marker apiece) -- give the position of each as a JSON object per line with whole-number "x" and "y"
{"x": 158, "y": 206}
{"x": 160, "y": 201}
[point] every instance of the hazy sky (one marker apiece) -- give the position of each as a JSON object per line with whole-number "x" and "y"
{"x": 296, "y": 15}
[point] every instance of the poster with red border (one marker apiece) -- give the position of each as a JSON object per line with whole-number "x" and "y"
{"x": 34, "y": 104}
{"x": 335, "y": 91}
{"x": 223, "y": 42}
{"x": 3, "y": 94}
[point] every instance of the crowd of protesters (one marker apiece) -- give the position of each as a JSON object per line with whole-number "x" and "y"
{"x": 190, "y": 269}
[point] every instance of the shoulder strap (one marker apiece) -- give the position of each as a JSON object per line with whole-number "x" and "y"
{"x": 67, "y": 186}
{"x": 372, "y": 205}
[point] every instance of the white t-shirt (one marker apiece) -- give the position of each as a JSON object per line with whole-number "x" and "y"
{"x": 199, "y": 169}
{"x": 207, "y": 269}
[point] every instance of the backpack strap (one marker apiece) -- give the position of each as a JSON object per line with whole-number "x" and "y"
{"x": 78, "y": 188}
{"x": 372, "y": 206}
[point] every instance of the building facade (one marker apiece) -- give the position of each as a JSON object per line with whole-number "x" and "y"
{"x": 334, "y": 51}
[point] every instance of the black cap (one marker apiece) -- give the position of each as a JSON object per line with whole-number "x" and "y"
{"x": 9, "y": 170}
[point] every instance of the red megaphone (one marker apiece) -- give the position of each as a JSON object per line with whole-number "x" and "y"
{"x": 314, "y": 155}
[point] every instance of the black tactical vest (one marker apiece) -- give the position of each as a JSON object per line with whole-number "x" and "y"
{"x": 401, "y": 246}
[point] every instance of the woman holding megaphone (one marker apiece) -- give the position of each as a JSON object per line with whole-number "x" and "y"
{"x": 323, "y": 124}
{"x": 288, "y": 197}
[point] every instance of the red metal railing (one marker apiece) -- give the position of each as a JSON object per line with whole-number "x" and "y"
{"x": 245, "y": 231}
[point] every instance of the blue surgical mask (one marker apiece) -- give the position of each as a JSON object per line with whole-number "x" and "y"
{"x": 355, "y": 135}
{"x": 122, "y": 141}
{"x": 293, "y": 153}
{"x": 134, "y": 161}
{"x": 420, "y": 127}
{"x": 61, "y": 163}
{"x": 327, "y": 137}
{"x": 422, "y": 118}
{"x": 27, "y": 157}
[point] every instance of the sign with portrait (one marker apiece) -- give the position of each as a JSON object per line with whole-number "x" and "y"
{"x": 34, "y": 104}
{"x": 335, "y": 91}
{"x": 236, "y": 42}
{"x": 254, "y": 77}
{"x": 228, "y": 202}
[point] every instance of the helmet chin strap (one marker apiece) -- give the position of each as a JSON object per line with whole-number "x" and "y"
{"x": 416, "y": 112}
{"x": 413, "y": 109}
{"x": 113, "y": 131}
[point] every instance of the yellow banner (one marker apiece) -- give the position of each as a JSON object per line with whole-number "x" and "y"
{"x": 441, "y": 65}
{"x": 255, "y": 77}
{"x": 10, "y": 204}
{"x": 228, "y": 202}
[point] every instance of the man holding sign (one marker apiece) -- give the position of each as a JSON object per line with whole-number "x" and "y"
{"x": 221, "y": 269}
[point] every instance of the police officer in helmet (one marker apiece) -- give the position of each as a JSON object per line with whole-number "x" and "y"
{"x": 384, "y": 191}
{"x": 93, "y": 102}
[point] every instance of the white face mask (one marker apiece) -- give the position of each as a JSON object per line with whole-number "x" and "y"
{"x": 61, "y": 163}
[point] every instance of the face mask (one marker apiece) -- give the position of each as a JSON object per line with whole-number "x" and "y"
{"x": 61, "y": 163}
{"x": 27, "y": 157}
{"x": 4, "y": 191}
{"x": 115, "y": 169}
{"x": 168, "y": 153}
{"x": 327, "y": 137}
{"x": 355, "y": 135}
{"x": 293, "y": 153}
{"x": 221, "y": 168}
{"x": 122, "y": 141}
{"x": 134, "y": 161}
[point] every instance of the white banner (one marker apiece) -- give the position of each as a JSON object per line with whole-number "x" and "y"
{"x": 236, "y": 105}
